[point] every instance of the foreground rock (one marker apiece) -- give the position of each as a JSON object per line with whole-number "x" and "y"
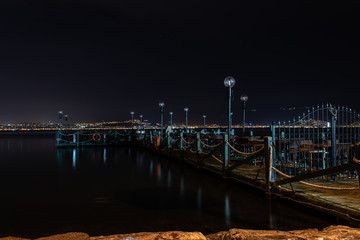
{"x": 176, "y": 235}
{"x": 329, "y": 233}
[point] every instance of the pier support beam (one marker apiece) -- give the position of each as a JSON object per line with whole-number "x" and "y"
{"x": 198, "y": 147}
{"x": 168, "y": 140}
{"x": 77, "y": 138}
{"x": 181, "y": 141}
{"x": 226, "y": 151}
{"x": 333, "y": 143}
{"x": 268, "y": 163}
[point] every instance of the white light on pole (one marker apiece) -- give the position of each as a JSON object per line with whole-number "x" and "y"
{"x": 60, "y": 116}
{"x": 132, "y": 119}
{"x": 171, "y": 120}
{"x": 204, "y": 116}
{"x": 229, "y": 82}
{"x": 244, "y": 98}
{"x": 161, "y": 105}
{"x": 186, "y": 118}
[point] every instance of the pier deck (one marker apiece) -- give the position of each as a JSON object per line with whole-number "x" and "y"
{"x": 344, "y": 204}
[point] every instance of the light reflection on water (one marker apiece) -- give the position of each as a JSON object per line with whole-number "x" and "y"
{"x": 158, "y": 171}
{"x": 227, "y": 208}
{"x": 113, "y": 190}
{"x": 104, "y": 156}
{"x": 74, "y": 158}
{"x": 199, "y": 200}
{"x": 169, "y": 178}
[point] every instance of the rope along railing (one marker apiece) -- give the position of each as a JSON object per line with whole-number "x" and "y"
{"x": 189, "y": 143}
{"x": 217, "y": 159}
{"x": 314, "y": 185}
{"x": 211, "y": 146}
{"x": 244, "y": 153}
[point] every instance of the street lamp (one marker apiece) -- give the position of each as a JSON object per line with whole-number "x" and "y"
{"x": 171, "y": 122}
{"x": 141, "y": 120}
{"x": 204, "y": 116}
{"x": 244, "y": 99}
{"x": 186, "y": 118}
{"x": 66, "y": 118}
{"x": 132, "y": 119}
{"x": 60, "y": 116}
{"x": 161, "y": 105}
{"x": 229, "y": 82}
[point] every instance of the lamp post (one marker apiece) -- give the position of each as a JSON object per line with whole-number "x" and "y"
{"x": 161, "y": 105}
{"x": 141, "y": 120}
{"x": 132, "y": 119}
{"x": 204, "y": 116}
{"x": 60, "y": 116}
{"x": 186, "y": 118}
{"x": 229, "y": 82}
{"x": 66, "y": 118}
{"x": 244, "y": 99}
{"x": 231, "y": 121}
{"x": 171, "y": 122}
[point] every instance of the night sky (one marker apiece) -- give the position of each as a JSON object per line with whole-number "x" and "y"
{"x": 100, "y": 59}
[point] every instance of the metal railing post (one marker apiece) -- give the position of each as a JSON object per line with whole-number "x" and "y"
{"x": 198, "y": 147}
{"x": 168, "y": 140}
{"x": 77, "y": 138}
{"x": 267, "y": 146}
{"x": 181, "y": 141}
{"x": 57, "y": 138}
{"x": 333, "y": 143}
{"x": 226, "y": 150}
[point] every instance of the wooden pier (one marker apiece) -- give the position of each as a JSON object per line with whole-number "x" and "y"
{"x": 253, "y": 161}
{"x": 90, "y": 138}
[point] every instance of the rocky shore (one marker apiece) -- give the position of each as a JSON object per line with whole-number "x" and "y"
{"x": 329, "y": 233}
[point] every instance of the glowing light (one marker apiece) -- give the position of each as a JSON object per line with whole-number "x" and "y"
{"x": 74, "y": 159}
{"x": 229, "y": 81}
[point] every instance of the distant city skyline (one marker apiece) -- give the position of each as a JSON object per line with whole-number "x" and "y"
{"x": 279, "y": 114}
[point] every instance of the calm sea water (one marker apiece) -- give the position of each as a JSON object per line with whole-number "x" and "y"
{"x": 103, "y": 191}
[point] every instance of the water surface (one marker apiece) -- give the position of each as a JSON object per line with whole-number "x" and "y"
{"x": 103, "y": 191}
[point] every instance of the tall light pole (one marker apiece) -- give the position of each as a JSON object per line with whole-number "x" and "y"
{"x": 66, "y": 118}
{"x": 186, "y": 118}
{"x": 204, "y": 116}
{"x": 244, "y": 99}
{"x": 132, "y": 119}
{"x": 60, "y": 116}
{"x": 161, "y": 105}
{"x": 171, "y": 123}
{"x": 141, "y": 120}
{"x": 229, "y": 82}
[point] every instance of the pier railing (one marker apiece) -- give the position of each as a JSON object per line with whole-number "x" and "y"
{"x": 89, "y": 138}
{"x": 321, "y": 139}
{"x": 317, "y": 149}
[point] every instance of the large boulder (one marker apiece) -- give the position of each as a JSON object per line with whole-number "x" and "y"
{"x": 329, "y": 233}
{"x": 173, "y": 235}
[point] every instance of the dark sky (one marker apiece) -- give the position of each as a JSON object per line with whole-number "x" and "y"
{"x": 100, "y": 59}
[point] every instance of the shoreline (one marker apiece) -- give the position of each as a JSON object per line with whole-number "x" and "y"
{"x": 331, "y": 232}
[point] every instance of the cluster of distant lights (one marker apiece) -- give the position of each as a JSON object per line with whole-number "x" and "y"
{"x": 99, "y": 126}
